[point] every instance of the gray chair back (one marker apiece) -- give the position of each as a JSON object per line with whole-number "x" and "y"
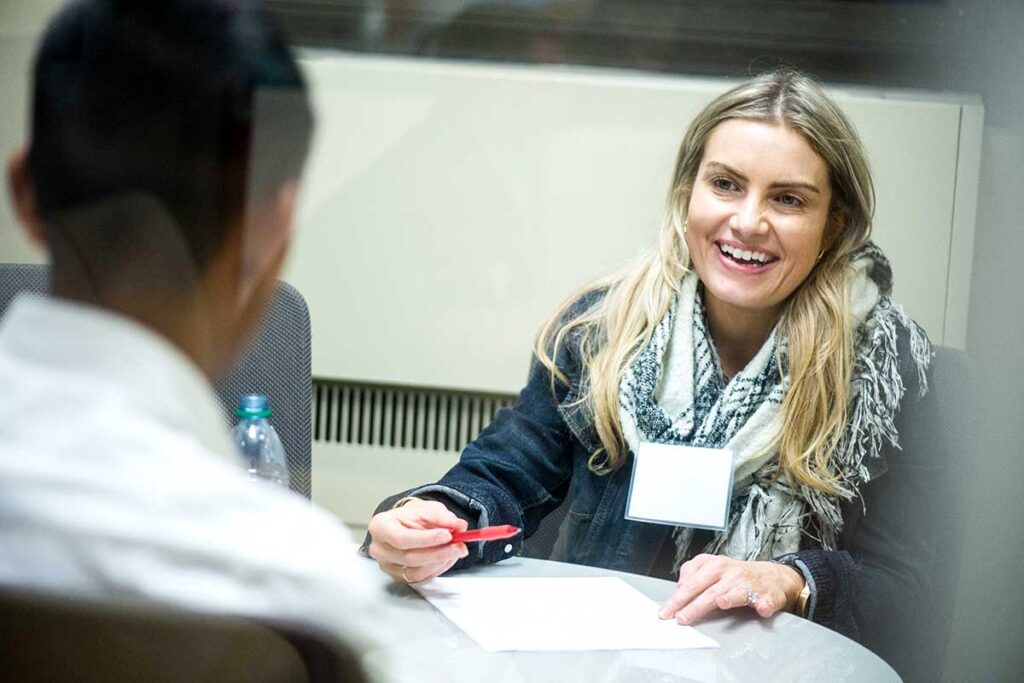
{"x": 53, "y": 638}
{"x": 16, "y": 278}
{"x": 943, "y": 427}
{"x": 276, "y": 363}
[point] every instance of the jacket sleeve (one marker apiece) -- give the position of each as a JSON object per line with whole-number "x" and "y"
{"x": 878, "y": 588}
{"x": 518, "y": 469}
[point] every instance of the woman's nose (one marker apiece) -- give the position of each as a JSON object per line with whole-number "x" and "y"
{"x": 749, "y": 218}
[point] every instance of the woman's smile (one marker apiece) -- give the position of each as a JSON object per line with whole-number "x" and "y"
{"x": 744, "y": 259}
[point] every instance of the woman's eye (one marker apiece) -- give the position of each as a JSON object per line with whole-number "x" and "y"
{"x": 723, "y": 183}
{"x": 790, "y": 200}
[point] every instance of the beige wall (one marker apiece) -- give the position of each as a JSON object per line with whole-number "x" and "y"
{"x": 448, "y": 207}
{"x": 21, "y": 23}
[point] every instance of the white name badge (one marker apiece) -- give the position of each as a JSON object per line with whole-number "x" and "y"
{"x": 681, "y": 485}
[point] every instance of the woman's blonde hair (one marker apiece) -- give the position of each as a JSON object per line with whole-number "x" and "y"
{"x": 815, "y": 320}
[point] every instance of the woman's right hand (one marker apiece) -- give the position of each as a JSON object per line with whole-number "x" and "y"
{"x": 412, "y": 543}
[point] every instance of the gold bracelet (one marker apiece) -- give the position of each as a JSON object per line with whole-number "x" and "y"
{"x": 402, "y": 501}
{"x": 802, "y": 600}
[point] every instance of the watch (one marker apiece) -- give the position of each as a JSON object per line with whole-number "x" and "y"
{"x": 800, "y": 609}
{"x": 803, "y": 600}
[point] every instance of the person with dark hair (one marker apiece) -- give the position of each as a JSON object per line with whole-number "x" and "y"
{"x": 166, "y": 148}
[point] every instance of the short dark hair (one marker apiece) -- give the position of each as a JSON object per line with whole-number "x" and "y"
{"x": 159, "y": 97}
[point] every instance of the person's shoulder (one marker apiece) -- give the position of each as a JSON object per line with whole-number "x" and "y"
{"x": 584, "y": 302}
{"x": 568, "y": 324}
{"x": 188, "y": 479}
{"x": 259, "y": 538}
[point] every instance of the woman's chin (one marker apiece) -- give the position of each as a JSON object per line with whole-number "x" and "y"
{"x": 739, "y": 296}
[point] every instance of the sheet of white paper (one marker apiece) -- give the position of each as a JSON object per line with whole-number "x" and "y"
{"x": 557, "y": 613}
{"x": 681, "y": 485}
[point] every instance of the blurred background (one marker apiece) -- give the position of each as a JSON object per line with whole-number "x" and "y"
{"x": 532, "y": 70}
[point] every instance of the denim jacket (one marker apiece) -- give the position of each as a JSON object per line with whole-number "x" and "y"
{"x": 535, "y": 454}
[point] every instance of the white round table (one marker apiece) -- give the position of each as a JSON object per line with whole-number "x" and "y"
{"x": 427, "y": 647}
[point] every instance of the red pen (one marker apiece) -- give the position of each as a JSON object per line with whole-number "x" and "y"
{"x": 487, "y": 533}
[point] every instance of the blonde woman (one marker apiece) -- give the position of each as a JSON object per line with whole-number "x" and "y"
{"x": 760, "y": 324}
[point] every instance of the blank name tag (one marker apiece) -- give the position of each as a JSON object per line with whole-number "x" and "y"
{"x": 681, "y": 485}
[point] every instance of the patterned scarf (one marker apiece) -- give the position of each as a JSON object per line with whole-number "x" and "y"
{"x": 675, "y": 393}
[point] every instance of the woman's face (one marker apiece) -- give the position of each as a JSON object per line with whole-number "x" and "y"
{"x": 756, "y": 218}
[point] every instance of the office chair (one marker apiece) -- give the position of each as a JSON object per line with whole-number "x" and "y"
{"x": 276, "y": 363}
{"x": 52, "y": 638}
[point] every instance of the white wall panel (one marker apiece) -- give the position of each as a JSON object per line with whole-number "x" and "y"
{"x": 448, "y": 207}
{"x": 351, "y": 481}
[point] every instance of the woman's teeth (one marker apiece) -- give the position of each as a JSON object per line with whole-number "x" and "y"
{"x": 744, "y": 256}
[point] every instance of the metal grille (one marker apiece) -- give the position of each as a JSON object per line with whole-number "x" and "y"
{"x": 400, "y": 417}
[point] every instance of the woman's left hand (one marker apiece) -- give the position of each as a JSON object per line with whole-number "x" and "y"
{"x": 712, "y": 582}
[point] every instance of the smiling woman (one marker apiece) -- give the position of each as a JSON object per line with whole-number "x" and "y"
{"x": 761, "y": 325}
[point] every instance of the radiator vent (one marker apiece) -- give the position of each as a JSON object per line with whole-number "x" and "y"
{"x": 400, "y": 417}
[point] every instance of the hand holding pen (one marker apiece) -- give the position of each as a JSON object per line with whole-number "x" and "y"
{"x": 420, "y": 539}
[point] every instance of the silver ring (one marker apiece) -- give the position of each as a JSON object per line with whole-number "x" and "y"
{"x": 752, "y": 596}
{"x": 404, "y": 576}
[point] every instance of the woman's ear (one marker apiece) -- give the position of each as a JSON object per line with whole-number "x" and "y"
{"x": 23, "y": 196}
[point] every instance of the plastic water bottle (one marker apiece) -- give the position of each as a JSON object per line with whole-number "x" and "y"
{"x": 258, "y": 442}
